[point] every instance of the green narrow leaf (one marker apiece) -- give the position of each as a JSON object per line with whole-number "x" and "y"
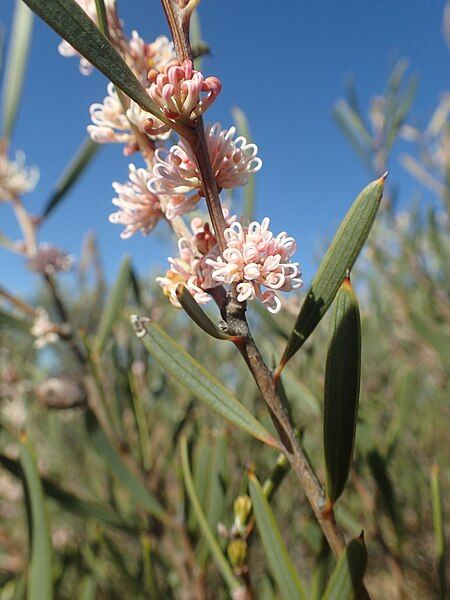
{"x": 191, "y": 375}
{"x": 278, "y": 559}
{"x": 131, "y": 481}
{"x": 439, "y": 535}
{"x": 405, "y": 395}
{"x": 7, "y": 319}
{"x": 221, "y": 562}
{"x": 339, "y": 258}
{"x": 87, "y": 588}
{"x": 198, "y": 315}
{"x": 70, "y": 21}
{"x": 114, "y": 304}
{"x": 19, "y": 44}
{"x": 322, "y": 569}
{"x": 243, "y": 128}
{"x": 346, "y": 582}
{"x": 73, "y": 171}
{"x": 436, "y": 336}
{"x": 341, "y": 394}
{"x": 40, "y": 579}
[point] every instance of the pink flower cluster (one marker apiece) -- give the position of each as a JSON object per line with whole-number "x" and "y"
{"x": 49, "y": 259}
{"x": 177, "y": 91}
{"x": 191, "y": 268}
{"x": 254, "y": 258}
{"x": 139, "y": 209}
{"x": 176, "y": 173}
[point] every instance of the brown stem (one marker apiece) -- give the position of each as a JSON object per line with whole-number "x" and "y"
{"x": 179, "y": 27}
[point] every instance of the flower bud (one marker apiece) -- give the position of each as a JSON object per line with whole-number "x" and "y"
{"x": 237, "y": 553}
{"x": 242, "y": 508}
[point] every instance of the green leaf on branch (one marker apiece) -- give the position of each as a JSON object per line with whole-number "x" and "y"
{"x": 339, "y": 258}
{"x": 73, "y": 171}
{"x": 278, "y": 559}
{"x": 40, "y": 576}
{"x": 195, "y": 378}
{"x": 213, "y": 545}
{"x": 70, "y": 21}
{"x": 341, "y": 394}
{"x": 113, "y": 307}
{"x": 130, "y": 480}
{"x": 22, "y": 28}
{"x": 198, "y": 315}
{"x": 439, "y": 535}
{"x": 346, "y": 582}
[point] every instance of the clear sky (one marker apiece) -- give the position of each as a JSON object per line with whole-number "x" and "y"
{"x": 284, "y": 64}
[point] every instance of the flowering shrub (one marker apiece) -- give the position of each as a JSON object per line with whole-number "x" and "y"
{"x": 102, "y": 411}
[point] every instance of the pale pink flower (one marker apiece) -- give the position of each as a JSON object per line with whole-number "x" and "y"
{"x": 15, "y": 178}
{"x": 191, "y": 267}
{"x": 140, "y": 210}
{"x": 255, "y": 258}
{"x": 49, "y": 259}
{"x": 176, "y": 171}
{"x": 177, "y": 90}
{"x": 43, "y": 329}
{"x": 112, "y": 125}
{"x": 143, "y": 56}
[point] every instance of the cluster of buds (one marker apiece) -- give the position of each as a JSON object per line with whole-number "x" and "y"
{"x": 176, "y": 90}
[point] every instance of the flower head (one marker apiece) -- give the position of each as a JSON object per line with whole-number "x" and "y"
{"x": 255, "y": 258}
{"x": 176, "y": 90}
{"x": 43, "y": 329}
{"x": 176, "y": 171}
{"x": 142, "y": 56}
{"x": 191, "y": 267}
{"x": 15, "y": 178}
{"x": 49, "y": 259}
{"x": 112, "y": 125}
{"x": 139, "y": 209}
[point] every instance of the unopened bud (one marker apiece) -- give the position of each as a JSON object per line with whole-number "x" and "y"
{"x": 242, "y": 507}
{"x": 237, "y": 553}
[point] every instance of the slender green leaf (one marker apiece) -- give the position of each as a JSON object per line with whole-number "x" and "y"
{"x": 406, "y": 393}
{"x": 19, "y": 44}
{"x": 40, "y": 579}
{"x": 278, "y": 559}
{"x": 87, "y": 588}
{"x": 322, "y": 569}
{"x": 70, "y": 21}
{"x": 249, "y": 190}
{"x": 339, "y": 258}
{"x": 114, "y": 304}
{"x": 436, "y": 336}
{"x": 131, "y": 481}
{"x": 191, "y": 375}
{"x": 73, "y": 171}
{"x": 198, "y": 315}
{"x": 341, "y": 394}
{"x": 221, "y": 562}
{"x": 439, "y": 535}
{"x": 7, "y": 319}
{"x": 346, "y": 582}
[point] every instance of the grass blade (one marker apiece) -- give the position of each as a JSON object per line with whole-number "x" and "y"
{"x": 341, "y": 394}
{"x": 40, "y": 578}
{"x": 73, "y": 171}
{"x": 339, "y": 258}
{"x": 438, "y": 523}
{"x": 70, "y": 21}
{"x": 216, "y": 552}
{"x": 22, "y": 28}
{"x": 114, "y": 304}
{"x": 191, "y": 375}
{"x": 278, "y": 559}
{"x": 346, "y": 582}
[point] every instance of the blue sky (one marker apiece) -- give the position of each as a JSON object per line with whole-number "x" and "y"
{"x": 284, "y": 64}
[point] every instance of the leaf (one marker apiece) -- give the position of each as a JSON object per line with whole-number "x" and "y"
{"x": 7, "y": 319}
{"x": 22, "y": 28}
{"x": 407, "y": 390}
{"x": 70, "y": 21}
{"x": 278, "y": 559}
{"x": 40, "y": 578}
{"x": 434, "y": 335}
{"x": 346, "y": 582}
{"x": 439, "y": 535}
{"x": 339, "y": 258}
{"x": 249, "y": 190}
{"x": 191, "y": 375}
{"x": 341, "y": 394}
{"x": 198, "y": 315}
{"x": 322, "y": 568}
{"x": 216, "y": 552}
{"x": 114, "y": 304}
{"x": 131, "y": 481}
{"x": 73, "y": 171}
